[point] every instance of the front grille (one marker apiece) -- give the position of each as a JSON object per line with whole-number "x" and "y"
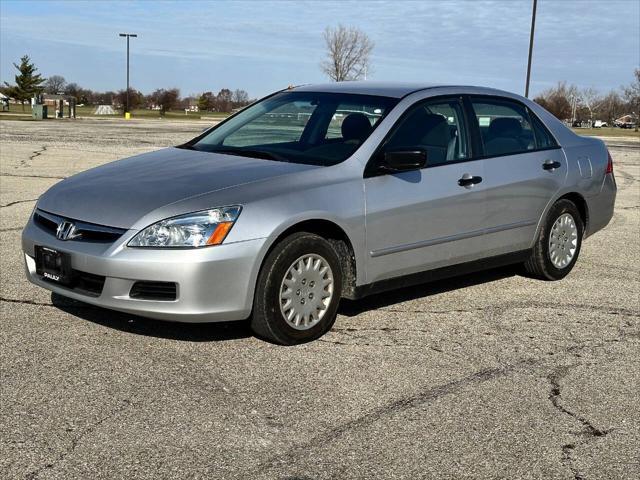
{"x": 83, "y": 231}
{"x": 163, "y": 291}
{"x": 45, "y": 222}
{"x": 83, "y": 283}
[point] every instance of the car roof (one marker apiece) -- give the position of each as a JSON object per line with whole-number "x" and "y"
{"x": 367, "y": 87}
{"x": 388, "y": 89}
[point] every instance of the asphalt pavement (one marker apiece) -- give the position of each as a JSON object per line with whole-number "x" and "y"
{"x": 492, "y": 375}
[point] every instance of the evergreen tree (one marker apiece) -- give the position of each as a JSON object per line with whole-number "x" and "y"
{"x": 28, "y": 81}
{"x": 205, "y": 102}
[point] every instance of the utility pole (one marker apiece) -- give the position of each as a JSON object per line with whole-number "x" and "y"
{"x": 533, "y": 27}
{"x": 128, "y": 35}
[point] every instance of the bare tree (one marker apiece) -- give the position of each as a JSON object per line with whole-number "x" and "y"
{"x": 55, "y": 84}
{"x": 632, "y": 96}
{"x": 559, "y": 100}
{"x": 611, "y": 107}
{"x": 240, "y": 97}
{"x": 591, "y": 99}
{"x": 348, "y": 53}
{"x": 223, "y": 100}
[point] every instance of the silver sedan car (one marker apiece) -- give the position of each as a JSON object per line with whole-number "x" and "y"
{"x": 320, "y": 192}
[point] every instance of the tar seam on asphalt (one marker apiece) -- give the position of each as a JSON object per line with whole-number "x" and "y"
{"x": 590, "y": 432}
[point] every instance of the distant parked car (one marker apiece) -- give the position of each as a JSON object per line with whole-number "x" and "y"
{"x": 599, "y": 124}
{"x": 321, "y": 192}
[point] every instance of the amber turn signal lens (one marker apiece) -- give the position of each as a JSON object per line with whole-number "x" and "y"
{"x": 220, "y": 233}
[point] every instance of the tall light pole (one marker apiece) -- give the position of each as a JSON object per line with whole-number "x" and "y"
{"x": 128, "y": 35}
{"x": 533, "y": 27}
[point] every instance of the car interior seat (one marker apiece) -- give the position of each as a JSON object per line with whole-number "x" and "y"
{"x": 504, "y": 136}
{"x": 355, "y": 128}
{"x": 425, "y": 130}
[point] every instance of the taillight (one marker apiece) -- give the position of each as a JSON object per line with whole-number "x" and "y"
{"x": 609, "y": 164}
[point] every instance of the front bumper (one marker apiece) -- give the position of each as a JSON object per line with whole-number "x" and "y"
{"x": 213, "y": 283}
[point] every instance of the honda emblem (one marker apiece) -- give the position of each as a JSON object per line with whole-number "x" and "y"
{"x": 66, "y": 230}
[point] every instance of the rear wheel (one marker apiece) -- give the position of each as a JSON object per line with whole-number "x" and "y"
{"x": 558, "y": 244}
{"x": 298, "y": 290}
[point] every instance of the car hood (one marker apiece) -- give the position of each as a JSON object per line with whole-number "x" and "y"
{"x": 120, "y": 193}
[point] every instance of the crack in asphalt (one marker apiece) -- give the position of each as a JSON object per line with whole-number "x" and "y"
{"x": 514, "y": 305}
{"x": 419, "y": 399}
{"x": 31, "y": 176}
{"x": 627, "y": 177}
{"x": 398, "y": 406}
{"x": 36, "y": 153}
{"x": 348, "y": 333}
{"x": 25, "y": 302}
{"x": 496, "y": 309}
{"x": 70, "y": 306}
{"x": 590, "y": 432}
{"x": 76, "y": 440}
{"x": 427, "y": 396}
{"x": 436, "y": 312}
{"x": 17, "y": 202}
{"x": 10, "y": 229}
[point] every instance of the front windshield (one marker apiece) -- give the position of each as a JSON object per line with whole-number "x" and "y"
{"x": 299, "y": 127}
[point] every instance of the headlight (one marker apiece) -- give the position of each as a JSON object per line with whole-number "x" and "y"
{"x": 198, "y": 229}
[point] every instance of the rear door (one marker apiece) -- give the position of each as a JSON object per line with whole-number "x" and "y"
{"x": 423, "y": 219}
{"x": 523, "y": 166}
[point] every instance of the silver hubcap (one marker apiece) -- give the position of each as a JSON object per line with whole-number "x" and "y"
{"x": 563, "y": 241}
{"x": 306, "y": 291}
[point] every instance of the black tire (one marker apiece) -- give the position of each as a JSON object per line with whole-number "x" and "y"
{"x": 267, "y": 320}
{"x": 539, "y": 264}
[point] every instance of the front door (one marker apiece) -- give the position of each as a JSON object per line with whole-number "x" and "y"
{"x": 428, "y": 218}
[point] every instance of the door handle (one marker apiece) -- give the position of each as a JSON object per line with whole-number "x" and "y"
{"x": 551, "y": 165}
{"x": 469, "y": 180}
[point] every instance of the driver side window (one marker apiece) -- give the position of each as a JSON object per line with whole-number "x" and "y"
{"x": 437, "y": 127}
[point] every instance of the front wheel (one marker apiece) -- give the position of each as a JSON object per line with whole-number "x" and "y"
{"x": 298, "y": 290}
{"x": 557, "y": 247}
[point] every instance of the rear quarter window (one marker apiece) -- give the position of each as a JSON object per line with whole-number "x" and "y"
{"x": 543, "y": 137}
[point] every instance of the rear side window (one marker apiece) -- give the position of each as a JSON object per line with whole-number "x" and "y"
{"x": 543, "y": 137}
{"x": 505, "y": 126}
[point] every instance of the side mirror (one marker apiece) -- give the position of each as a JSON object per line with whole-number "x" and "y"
{"x": 403, "y": 160}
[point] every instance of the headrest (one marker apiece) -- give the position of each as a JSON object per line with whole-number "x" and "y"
{"x": 356, "y": 126}
{"x": 421, "y": 128}
{"x": 437, "y": 130}
{"x": 505, "y": 127}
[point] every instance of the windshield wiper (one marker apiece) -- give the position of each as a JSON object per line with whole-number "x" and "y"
{"x": 251, "y": 153}
{"x": 186, "y": 146}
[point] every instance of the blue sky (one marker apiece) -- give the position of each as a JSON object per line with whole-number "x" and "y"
{"x": 261, "y": 46}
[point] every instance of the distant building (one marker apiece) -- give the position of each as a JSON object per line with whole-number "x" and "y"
{"x": 192, "y": 105}
{"x": 626, "y": 121}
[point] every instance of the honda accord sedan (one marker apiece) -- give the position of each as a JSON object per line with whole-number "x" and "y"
{"x": 318, "y": 193}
